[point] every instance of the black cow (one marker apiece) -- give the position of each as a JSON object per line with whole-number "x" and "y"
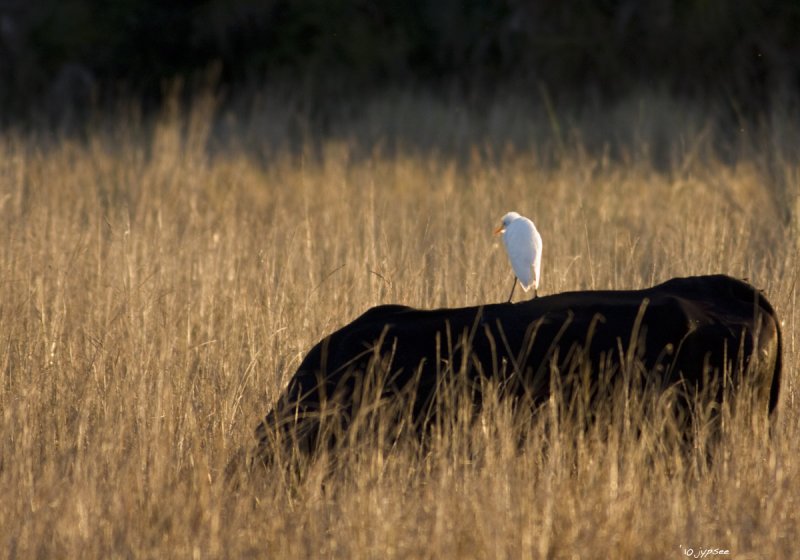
{"x": 685, "y": 332}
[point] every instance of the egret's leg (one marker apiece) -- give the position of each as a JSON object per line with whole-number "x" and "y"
{"x": 513, "y": 286}
{"x": 535, "y": 293}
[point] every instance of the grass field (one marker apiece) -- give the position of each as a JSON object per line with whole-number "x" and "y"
{"x": 160, "y": 281}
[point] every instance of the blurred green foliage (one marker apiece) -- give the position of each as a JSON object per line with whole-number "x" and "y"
{"x": 741, "y": 51}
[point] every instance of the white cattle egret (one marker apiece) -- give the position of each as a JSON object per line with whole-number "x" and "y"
{"x": 524, "y": 247}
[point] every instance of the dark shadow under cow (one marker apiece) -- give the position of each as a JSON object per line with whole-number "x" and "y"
{"x": 699, "y": 334}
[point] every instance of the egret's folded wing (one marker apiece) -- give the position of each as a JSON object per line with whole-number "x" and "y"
{"x": 520, "y": 244}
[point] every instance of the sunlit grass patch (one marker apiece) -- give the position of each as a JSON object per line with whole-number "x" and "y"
{"x": 157, "y": 291}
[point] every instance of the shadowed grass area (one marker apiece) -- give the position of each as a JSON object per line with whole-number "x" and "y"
{"x": 160, "y": 281}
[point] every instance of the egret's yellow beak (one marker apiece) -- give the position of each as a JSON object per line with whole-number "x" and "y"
{"x": 499, "y": 230}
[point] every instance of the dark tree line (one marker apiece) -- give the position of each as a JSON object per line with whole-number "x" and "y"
{"x": 68, "y": 51}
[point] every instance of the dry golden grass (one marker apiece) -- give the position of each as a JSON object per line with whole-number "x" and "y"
{"x": 156, "y": 294}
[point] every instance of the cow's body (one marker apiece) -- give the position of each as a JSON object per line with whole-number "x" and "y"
{"x": 684, "y": 331}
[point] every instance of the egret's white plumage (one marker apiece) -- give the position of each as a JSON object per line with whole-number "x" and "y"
{"x": 524, "y": 247}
